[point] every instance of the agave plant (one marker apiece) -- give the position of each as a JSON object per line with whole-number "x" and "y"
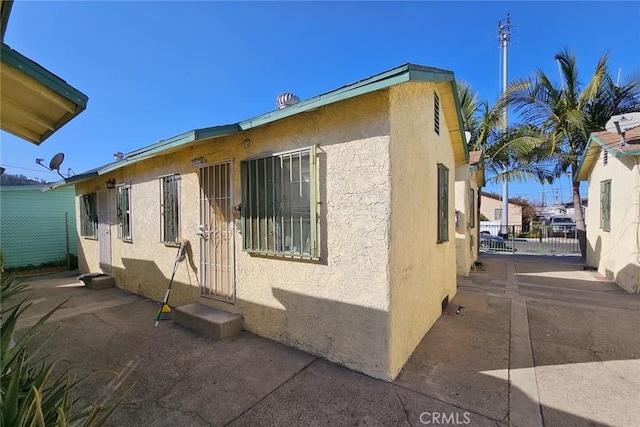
{"x": 32, "y": 390}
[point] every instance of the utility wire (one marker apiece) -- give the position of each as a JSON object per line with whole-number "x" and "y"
{"x": 27, "y": 169}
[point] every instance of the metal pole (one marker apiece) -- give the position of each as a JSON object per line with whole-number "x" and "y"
{"x": 66, "y": 234}
{"x": 504, "y": 33}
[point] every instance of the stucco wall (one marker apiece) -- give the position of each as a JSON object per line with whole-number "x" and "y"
{"x": 489, "y": 205}
{"x": 616, "y": 250}
{"x": 336, "y": 307}
{"x": 422, "y": 271}
{"x": 475, "y": 230}
{"x": 463, "y": 238}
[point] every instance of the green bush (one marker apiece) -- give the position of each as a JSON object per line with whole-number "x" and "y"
{"x": 31, "y": 393}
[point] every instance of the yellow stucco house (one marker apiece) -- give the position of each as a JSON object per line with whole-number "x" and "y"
{"x": 612, "y": 169}
{"x": 469, "y": 180}
{"x": 327, "y": 224}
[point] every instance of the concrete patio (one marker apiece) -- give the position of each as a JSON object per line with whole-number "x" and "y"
{"x": 539, "y": 342}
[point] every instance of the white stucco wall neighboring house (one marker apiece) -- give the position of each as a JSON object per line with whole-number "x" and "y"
{"x": 491, "y": 207}
{"x": 613, "y": 221}
{"x": 335, "y": 215}
{"x": 469, "y": 178}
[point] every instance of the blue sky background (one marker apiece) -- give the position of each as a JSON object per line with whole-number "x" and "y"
{"x": 153, "y": 70}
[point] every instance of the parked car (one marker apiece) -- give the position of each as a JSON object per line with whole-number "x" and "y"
{"x": 493, "y": 243}
{"x": 563, "y": 226}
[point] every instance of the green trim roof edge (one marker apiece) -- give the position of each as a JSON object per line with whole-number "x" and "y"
{"x": 615, "y": 153}
{"x": 37, "y": 72}
{"x": 456, "y": 101}
{"x": 401, "y": 74}
{"x": 602, "y": 146}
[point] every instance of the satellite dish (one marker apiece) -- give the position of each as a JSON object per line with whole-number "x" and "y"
{"x": 467, "y": 136}
{"x": 54, "y": 164}
{"x": 623, "y": 122}
{"x": 56, "y": 161}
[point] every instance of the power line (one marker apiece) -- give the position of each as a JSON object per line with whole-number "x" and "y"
{"x": 27, "y": 169}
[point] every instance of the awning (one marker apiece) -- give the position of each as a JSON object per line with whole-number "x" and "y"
{"x": 35, "y": 103}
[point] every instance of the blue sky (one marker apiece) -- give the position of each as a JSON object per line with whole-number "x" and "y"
{"x": 153, "y": 70}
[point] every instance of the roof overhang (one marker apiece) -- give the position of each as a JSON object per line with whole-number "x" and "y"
{"x": 5, "y": 12}
{"x": 405, "y": 73}
{"x": 601, "y": 141}
{"x": 35, "y": 103}
{"x": 453, "y": 116}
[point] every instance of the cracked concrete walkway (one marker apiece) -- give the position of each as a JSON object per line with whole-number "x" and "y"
{"x": 540, "y": 342}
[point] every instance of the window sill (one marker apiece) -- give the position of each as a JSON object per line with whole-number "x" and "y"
{"x": 90, "y": 237}
{"x": 281, "y": 255}
{"x": 171, "y": 244}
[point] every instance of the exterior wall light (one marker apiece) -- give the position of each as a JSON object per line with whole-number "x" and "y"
{"x": 111, "y": 184}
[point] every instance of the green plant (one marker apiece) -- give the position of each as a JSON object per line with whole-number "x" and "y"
{"x": 32, "y": 393}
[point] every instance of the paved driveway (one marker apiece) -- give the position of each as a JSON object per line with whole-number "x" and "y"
{"x": 539, "y": 342}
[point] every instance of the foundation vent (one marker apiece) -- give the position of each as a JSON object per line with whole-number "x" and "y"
{"x": 445, "y": 303}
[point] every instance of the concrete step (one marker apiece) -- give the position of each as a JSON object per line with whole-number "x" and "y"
{"x": 207, "y": 321}
{"x": 98, "y": 281}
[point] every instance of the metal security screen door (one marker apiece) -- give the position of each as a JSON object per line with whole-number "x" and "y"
{"x": 104, "y": 236}
{"x": 217, "y": 248}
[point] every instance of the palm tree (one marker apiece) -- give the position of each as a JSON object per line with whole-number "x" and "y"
{"x": 516, "y": 153}
{"x": 569, "y": 112}
{"x": 511, "y": 154}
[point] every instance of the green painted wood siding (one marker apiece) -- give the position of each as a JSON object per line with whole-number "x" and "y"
{"x": 32, "y": 225}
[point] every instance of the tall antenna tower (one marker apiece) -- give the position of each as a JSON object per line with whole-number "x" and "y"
{"x": 504, "y": 38}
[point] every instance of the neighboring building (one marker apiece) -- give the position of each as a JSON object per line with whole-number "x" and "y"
{"x": 571, "y": 211}
{"x": 556, "y": 210}
{"x": 491, "y": 207}
{"x": 469, "y": 178}
{"x": 36, "y": 227}
{"x": 328, "y": 224}
{"x": 34, "y": 102}
{"x": 613, "y": 172}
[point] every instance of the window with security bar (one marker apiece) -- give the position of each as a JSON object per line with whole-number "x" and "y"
{"x": 605, "y": 205}
{"x": 88, "y": 216}
{"x": 472, "y": 208}
{"x": 124, "y": 212}
{"x": 443, "y": 203}
{"x": 279, "y": 204}
{"x": 170, "y": 209}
